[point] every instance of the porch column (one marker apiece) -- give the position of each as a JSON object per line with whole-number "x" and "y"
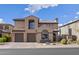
{"x": 51, "y": 36}
{"x": 25, "y": 37}
{"x": 38, "y": 37}
{"x": 13, "y": 37}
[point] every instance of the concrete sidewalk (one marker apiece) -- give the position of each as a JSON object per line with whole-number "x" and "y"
{"x": 13, "y": 45}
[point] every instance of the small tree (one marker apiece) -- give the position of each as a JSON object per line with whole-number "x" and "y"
{"x": 8, "y": 37}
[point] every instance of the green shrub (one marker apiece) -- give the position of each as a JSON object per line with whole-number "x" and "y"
{"x": 69, "y": 41}
{"x": 5, "y": 38}
{"x": 63, "y": 41}
{"x": 2, "y": 40}
{"x": 8, "y": 38}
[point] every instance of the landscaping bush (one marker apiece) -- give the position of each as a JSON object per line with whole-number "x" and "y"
{"x": 74, "y": 38}
{"x": 63, "y": 41}
{"x": 2, "y": 40}
{"x": 5, "y": 38}
{"x": 8, "y": 38}
{"x": 69, "y": 41}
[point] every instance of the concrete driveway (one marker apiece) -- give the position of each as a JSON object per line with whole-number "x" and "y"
{"x": 13, "y": 45}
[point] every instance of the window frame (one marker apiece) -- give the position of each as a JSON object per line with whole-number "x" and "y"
{"x": 31, "y": 24}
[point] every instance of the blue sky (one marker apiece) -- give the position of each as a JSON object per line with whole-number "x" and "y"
{"x": 64, "y": 12}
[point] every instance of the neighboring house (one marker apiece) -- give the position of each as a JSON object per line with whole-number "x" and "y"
{"x": 5, "y": 29}
{"x": 31, "y": 29}
{"x": 70, "y": 29}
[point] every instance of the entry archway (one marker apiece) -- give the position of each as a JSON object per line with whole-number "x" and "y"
{"x": 45, "y": 36}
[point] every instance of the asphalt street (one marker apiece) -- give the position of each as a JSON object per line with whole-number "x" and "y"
{"x": 40, "y": 51}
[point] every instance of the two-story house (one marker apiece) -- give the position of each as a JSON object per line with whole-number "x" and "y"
{"x": 31, "y": 29}
{"x": 5, "y": 29}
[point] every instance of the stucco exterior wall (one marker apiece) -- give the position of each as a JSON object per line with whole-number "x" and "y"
{"x": 75, "y": 29}
{"x": 64, "y": 30}
{"x": 19, "y": 24}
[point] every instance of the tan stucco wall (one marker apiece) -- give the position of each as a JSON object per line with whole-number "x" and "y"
{"x": 64, "y": 30}
{"x": 75, "y": 29}
{"x": 38, "y": 37}
{"x": 19, "y": 24}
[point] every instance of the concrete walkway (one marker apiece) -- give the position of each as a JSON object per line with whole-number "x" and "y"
{"x": 36, "y": 45}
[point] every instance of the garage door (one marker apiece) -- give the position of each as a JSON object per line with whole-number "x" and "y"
{"x": 31, "y": 37}
{"x": 19, "y": 37}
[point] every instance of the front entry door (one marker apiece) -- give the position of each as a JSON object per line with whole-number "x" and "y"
{"x": 54, "y": 36}
{"x": 44, "y": 36}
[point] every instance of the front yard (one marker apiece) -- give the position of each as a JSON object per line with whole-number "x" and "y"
{"x": 14, "y": 45}
{"x": 64, "y": 43}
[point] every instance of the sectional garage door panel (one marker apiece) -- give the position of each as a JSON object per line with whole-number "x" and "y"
{"x": 31, "y": 37}
{"x": 19, "y": 37}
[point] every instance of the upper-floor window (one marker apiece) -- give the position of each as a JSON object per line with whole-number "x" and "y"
{"x": 6, "y": 27}
{"x": 31, "y": 24}
{"x": 70, "y": 31}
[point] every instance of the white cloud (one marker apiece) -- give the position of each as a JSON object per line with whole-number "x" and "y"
{"x": 36, "y": 7}
{"x": 76, "y": 17}
{"x": 77, "y": 13}
{"x": 1, "y": 20}
{"x": 60, "y": 24}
